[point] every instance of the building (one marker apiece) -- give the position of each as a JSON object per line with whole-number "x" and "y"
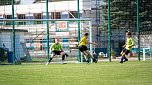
{"x": 57, "y": 10}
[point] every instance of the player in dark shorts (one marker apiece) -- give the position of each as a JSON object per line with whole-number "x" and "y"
{"x": 127, "y": 47}
{"x": 83, "y": 48}
{"x": 56, "y": 49}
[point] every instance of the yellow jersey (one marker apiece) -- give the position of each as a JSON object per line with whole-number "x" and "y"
{"x": 56, "y": 47}
{"x": 129, "y": 44}
{"x": 83, "y": 41}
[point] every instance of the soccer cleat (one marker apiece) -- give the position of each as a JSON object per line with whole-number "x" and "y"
{"x": 125, "y": 60}
{"x": 63, "y": 62}
{"x": 121, "y": 61}
{"x": 94, "y": 60}
{"x": 87, "y": 61}
{"x": 47, "y": 63}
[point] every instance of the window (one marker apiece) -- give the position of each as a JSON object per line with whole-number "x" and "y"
{"x": 52, "y": 15}
{"x": 73, "y": 14}
{"x": 1, "y": 17}
{"x": 38, "y": 16}
{"x": 64, "y": 15}
{"x": 8, "y": 17}
{"x": 21, "y": 16}
{"x": 57, "y": 15}
{"x": 29, "y": 16}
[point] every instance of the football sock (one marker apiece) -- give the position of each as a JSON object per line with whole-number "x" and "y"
{"x": 122, "y": 59}
{"x": 63, "y": 57}
{"x": 50, "y": 60}
{"x": 66, "y": 54}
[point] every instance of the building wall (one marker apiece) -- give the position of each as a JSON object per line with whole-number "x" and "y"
{"x": 6, "y": 40}
{"x": 87, "y": 10}
{"x": 40, "y": 7}
{"x": 93, "y": 11}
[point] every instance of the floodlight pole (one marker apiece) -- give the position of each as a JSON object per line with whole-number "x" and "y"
{"x": 109, "y": 33}
{"x": 13, "y": 32}
{"x": 47, "y": 24}
{"x": 138, "y": 33}
{"x": 78, "y": 14}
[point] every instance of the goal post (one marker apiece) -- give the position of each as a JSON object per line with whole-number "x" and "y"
{"x": 147, "y": 54}
{"x": 65, "y": 29}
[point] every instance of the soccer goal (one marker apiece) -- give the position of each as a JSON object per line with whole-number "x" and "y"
{"x": 147, "y": 54}
{"x": 40, "y": 35}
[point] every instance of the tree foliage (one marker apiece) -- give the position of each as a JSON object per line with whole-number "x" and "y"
{"x": 123, "y": 14}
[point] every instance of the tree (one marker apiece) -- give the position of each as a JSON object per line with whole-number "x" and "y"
{"x": 145, "y": 15}
{"x": 123, "y": 14}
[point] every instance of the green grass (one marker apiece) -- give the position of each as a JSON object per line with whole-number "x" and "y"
{"x": 113, "y": 73}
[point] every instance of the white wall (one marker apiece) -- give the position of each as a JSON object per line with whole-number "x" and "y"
{"x": 40, "y": 7}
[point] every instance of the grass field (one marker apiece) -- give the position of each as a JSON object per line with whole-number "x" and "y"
{"x": 103, "y": 73}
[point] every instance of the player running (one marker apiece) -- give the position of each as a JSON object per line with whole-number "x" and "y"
{"x": 83, "y": 48}
{"x": 127, "y": 47}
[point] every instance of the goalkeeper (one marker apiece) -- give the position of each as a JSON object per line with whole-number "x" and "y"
{"x": 56, "y": 49}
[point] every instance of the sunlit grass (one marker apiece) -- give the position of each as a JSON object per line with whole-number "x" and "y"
{"x": 107, "y": 73}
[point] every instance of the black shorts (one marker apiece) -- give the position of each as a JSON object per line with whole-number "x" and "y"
{"x": 126, "y": 51}
{"x": 83, "y": 48}
{"x": 56, "y": 52}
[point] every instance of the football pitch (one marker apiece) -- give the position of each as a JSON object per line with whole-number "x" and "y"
{"x": 103, "y": 73}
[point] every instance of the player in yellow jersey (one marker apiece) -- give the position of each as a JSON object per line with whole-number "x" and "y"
{"x": 83, "y": 48}
{"x": 127, "y": 47}
{"x": 56, "y": 49}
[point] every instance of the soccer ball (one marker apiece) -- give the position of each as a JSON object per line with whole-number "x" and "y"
{"x": 101, "y": 54}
